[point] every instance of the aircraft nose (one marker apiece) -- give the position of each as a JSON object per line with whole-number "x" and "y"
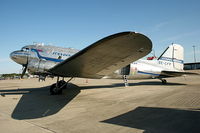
{"x": 13, "y": 56}
{"x": 19, "y": 57}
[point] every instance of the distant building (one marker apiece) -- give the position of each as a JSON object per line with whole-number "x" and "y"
{"x": 191, "y": 66}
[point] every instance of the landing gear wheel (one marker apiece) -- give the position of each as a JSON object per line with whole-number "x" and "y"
{"x": 164, "y": 81}
{"x": 54, "y": 90}
{"x": 57, "y": 89}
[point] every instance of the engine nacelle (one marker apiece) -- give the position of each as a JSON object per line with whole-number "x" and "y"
{"x": 39, "y": 66}
{"x": 124, "y": 71}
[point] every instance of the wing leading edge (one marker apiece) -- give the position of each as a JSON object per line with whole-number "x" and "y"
{"x": 105, "y": 56}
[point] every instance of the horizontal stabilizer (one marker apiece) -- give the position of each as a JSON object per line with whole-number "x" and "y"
{"x": 176, "y": 73}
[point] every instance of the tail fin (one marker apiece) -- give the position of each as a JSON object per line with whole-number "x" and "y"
{"x": 173, "y": 55}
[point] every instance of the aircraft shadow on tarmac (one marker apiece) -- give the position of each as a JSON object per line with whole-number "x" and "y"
{"x": 131, "y": 84}
{"x": 37, "y": 102}
{"x": 159, "y": 120}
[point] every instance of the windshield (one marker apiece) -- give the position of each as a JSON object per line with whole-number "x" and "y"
{"x": 26, "y": 49}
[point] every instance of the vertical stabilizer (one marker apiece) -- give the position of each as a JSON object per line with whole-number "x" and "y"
{"x": 173, "y": 55}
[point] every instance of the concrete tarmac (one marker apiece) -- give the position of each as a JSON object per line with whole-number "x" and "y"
{"x": 101, "y": 106}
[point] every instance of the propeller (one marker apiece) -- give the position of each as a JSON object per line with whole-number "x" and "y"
{"x": 24, "y": 68}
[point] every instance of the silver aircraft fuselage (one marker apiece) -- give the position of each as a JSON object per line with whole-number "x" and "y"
{"x": 40, "y": 58}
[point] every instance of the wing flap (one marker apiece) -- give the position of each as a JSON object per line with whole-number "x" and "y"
{"x": 105, "y": 56}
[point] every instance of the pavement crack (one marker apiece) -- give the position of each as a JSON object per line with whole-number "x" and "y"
{"x": 45, "y": 128}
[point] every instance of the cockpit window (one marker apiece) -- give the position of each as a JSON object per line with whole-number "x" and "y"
{"x": 25, "y": 49}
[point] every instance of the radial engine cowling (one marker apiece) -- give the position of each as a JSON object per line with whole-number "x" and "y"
{"x": 125, "y": 70}
{"x": 40, "y": 66}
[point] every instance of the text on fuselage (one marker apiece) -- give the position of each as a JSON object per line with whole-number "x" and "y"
{"x": 60, "y": 54}
{"x": 164, "y": 63}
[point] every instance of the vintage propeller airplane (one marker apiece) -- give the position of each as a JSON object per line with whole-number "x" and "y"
{"x": 115, "y": 56}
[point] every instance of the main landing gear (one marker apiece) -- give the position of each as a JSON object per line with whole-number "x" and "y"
{"x": 125, "y": 81}
{"x": 164, "y": 81}
{"x": 57, "y": 88}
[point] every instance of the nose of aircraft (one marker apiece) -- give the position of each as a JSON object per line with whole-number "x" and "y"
{"x": 19, "y": 57}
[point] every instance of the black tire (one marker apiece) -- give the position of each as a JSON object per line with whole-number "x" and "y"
{"x": 54, "y": 90}
{"x": 164, "y": 82}
{"x": 61, "y": 83}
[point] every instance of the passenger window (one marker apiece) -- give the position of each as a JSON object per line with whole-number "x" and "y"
{"x": 25, "y": 49}
{"x": 59, "y": 57}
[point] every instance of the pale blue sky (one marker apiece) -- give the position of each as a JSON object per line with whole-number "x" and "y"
{"x": 79, "y": 23}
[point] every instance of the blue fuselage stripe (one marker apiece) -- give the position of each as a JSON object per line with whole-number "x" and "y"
{"x": 148, "y": 73}
{"x": 46, "y": 58}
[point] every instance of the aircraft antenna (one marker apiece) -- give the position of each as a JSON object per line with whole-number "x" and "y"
{"x": 173, "y": 56}
{"x": 194, "y": 56}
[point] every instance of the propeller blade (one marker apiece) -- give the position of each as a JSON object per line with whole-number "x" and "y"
{"x": 25, "y": 68}
{"x": 24, "y": 71}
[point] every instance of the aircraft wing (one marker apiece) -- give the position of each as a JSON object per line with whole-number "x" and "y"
{"x": 105, "y": 56}
{"x": 175, "y": 73}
